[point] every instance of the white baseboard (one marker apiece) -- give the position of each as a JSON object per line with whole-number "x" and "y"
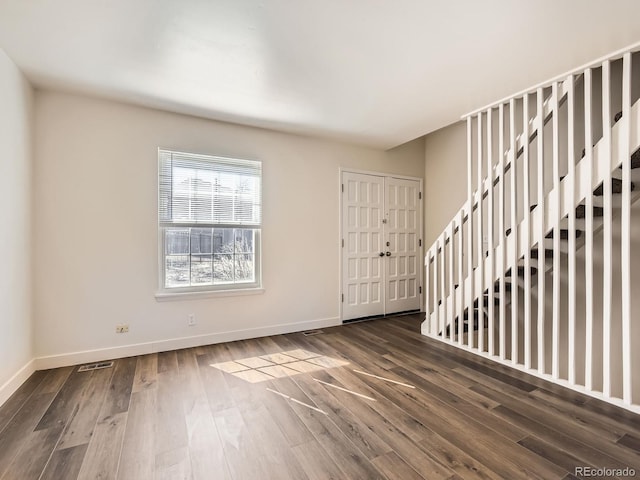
{"x": 11, "y": 385}
{"x": 75, "y": 358}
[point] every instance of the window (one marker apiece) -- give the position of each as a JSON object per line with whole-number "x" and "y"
{"x": 209, "y": 218}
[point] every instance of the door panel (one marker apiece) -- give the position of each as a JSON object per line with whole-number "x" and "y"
{"x": 401, "y": 233}
{"x": 362, "y": 227}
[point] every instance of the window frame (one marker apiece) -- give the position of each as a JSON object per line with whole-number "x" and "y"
{"x": 209, "y": 290}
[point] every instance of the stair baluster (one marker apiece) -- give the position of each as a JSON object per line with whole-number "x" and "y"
{"x": 625, "y": 241}
{"x": 571, "y": 178}
{"x": 480, "y": 236}
{"x": 490, "y": 241}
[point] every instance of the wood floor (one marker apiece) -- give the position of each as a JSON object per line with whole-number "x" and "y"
{"x": 175, "y": 416}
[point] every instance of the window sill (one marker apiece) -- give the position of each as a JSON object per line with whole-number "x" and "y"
{"x": 169, "y": 296}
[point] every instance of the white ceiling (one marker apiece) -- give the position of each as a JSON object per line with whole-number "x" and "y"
{"x": 375, "y": 72}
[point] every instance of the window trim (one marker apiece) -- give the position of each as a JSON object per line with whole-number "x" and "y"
{"x": 193, "y": 292}
{"x": 191, "y": 295}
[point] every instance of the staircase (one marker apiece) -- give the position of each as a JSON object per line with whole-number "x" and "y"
{"x": 534, "y": 271}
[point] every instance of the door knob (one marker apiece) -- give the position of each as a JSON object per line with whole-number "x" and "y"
{"x": 381, "y": 254}
{"x": 388, "y": 254}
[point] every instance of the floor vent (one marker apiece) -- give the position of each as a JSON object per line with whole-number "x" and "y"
{"x": 308, "y": 333}
{"x": 95, "y": 366}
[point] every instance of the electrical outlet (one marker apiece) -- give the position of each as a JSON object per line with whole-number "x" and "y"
{"x": 122, "y": 328}
{"x": 191, "y": 319}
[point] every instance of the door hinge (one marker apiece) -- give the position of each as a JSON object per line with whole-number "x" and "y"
{"x": 342, "y": 299}
{"x": 419, "y": 195}
{"x": 342, "y": 187}
{"x": 420, "y": 289}
{"x": 420, "y": 242}
{"x": 343, "y": 243}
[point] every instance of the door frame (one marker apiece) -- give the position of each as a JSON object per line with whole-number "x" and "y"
{"x": 342, "y": 170}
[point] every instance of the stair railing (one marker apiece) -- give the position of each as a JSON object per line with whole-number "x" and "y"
{"x": 494, "y": 279}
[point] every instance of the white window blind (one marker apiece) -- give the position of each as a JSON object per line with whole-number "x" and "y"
{"x": 209, "y": 217}
{"x": 200, "y": 189}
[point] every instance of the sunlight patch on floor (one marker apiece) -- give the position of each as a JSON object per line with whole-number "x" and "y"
{"x": 291, "y": 399}
{"x": 337, "y": 387}
{"x": 278, "y": 365}
{"x": 385, "y": 379}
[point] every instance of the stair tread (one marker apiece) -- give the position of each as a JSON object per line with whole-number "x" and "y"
{"x": 534, "y": 270}
{"x": 617, "y": 117}
{"x": 581, "y": 211}
{"x": 635, "y": 159}
{"x": 548, "y": 253}
{"x": 564, "y": 234}
{"x": 496, "y": 301}
{"x": 616, "y": 187}
{"x": 465, "y": 324}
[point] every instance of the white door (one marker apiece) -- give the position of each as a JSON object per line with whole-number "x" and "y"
{"x": 402, "y": 280}
{"x": 362, "y": 266}
{"x": 380, "y": 228}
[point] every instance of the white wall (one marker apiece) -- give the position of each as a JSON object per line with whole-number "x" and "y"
{"x": 96, "y": 224}
{"x": 15, "y": 218}
{"x": 445, "y": 178}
